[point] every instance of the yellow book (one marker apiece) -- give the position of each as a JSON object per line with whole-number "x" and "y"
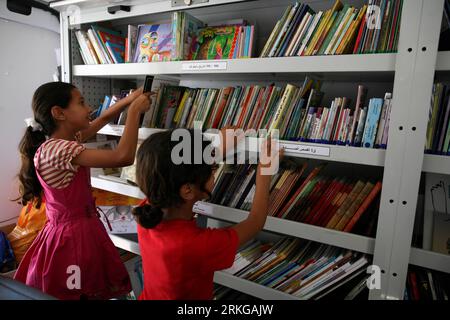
{"x": 325, "y": 28}
{"x": 323, "y": 22}
{"x": 282, "y": 107}
{"x": 324, "y": 33}
{"x": 348, "y": 39}
{"x": 339, "y": 30}
{"x": 179, "y": 112}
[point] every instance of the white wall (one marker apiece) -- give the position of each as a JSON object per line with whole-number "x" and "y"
{"x": 27, "y": 60}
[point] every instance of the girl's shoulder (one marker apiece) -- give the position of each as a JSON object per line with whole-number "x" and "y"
{"x": 58, "y": 147}
{"x": 53, "y": 160}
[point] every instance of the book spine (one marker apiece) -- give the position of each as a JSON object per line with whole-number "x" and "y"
{"x": 363, "y": 208}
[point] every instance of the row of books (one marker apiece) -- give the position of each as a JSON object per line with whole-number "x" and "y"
{"x": 438, "y": 130}
{"x": 305, "y": 269}
{"x": 100, "y": 45}
{"x": 343, "y": 29}
{"x": 183, "y": 38}
{"x": 296, "y": 112}
{"x": 109, "y": 101}
{"x": 425, "y": 284}
{"x": 318, "y": 199}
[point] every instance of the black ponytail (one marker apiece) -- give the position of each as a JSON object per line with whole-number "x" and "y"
{"x": 44, "y": 99}
{"x": 148, "y": 216}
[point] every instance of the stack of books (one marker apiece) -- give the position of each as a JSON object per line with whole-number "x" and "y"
{"x": 296, "y": 112}
{"x": 184, "y": 37}
{"x": 438, "y": 130}
{"x": 302, "y": 268}
{"x": 337, "y": 203}
{"x": 100, "y": 45}
{"x": 343, "y": 29}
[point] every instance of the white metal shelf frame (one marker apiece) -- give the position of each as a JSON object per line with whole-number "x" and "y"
{"x": 403, "y": 155}
{"x": 415, "y": 70}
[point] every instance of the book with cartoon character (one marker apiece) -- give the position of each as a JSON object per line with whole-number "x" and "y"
{"x": 154, "y": 43}
{"x": 215, "y": 43}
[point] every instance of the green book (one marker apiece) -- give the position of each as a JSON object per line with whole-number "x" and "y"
{"x": 333, "y": 29}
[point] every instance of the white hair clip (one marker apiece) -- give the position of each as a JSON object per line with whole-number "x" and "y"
{"x": 33, "y": 124}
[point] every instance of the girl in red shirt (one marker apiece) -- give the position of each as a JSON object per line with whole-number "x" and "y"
{"x": 180, "y": 258}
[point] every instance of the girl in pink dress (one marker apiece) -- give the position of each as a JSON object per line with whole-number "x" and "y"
{"x": 72, "y": 257}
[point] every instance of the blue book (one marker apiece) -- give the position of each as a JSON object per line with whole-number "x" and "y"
{"x": 105, "y": 106}
{"x": 116, "y": 51}
{"x": 371, "y": 126}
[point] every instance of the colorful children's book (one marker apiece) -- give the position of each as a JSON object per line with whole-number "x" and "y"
{"x": 117, "y": 52}
{"x": 215, "y": 42}
{"x": 154, "y": 43}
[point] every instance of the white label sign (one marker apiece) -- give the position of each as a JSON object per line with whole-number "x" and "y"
{"x": 306, "y": 149}
{"x": 203, "y": 66}
{"x": 203, "y": 208}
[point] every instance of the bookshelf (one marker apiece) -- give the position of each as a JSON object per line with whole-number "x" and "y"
{"x": 363, "y": 156}
{"x": 412, "y": 70}
{"x": 365, "y": 66}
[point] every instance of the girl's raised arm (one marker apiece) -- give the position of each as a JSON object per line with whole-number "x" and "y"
{"x": 108, "y": 116}
{"x": 124, "y": 154}
{"x": 256, "y": 219}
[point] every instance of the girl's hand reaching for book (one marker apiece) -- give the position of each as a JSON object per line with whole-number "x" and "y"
{"x": 133, "y": 95}
{"x": 270, "y": 157}
{"x": 230, "y": 136}
{"x": 142, "y": 103}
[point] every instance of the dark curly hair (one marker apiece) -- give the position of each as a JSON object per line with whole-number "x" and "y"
{"x": 160, "y": 179}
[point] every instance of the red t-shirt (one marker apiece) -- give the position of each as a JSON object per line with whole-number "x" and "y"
{"x": 179, "y": 259}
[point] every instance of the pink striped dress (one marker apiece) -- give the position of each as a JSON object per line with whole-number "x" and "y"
{"x": 73, "y": 256}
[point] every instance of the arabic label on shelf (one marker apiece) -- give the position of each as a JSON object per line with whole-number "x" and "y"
{"x": 203, "y": 208}
{"x": 306, "y": 149}
{"x": 204, "y": 66}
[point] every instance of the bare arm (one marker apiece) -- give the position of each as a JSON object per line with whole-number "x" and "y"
{"x": 256, "y": 219}
{"x": 109, "y": 115}
{"x": 125, "y": 152}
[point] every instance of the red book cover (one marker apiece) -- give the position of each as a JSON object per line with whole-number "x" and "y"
{"x": 394, "y": 26}
{"x": 280, "y": 199}
{"x": 414, "y": 287}
{"x": 334, "y": 197}
{"x": 313, "y": 197}
{"x": 226, "y": 95}
{"x": 366, "y": 203}
{"x": 336, "y": 204}
{"x": 301, "y": 209}
{"x": 285, "y": 209}
{"x": 323, "y": 202}
{"x": 244, "y": 106}
{"x": 249, "y": 120}
{"x": 264, "y": 107}
{"x": 360, "y": 33}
